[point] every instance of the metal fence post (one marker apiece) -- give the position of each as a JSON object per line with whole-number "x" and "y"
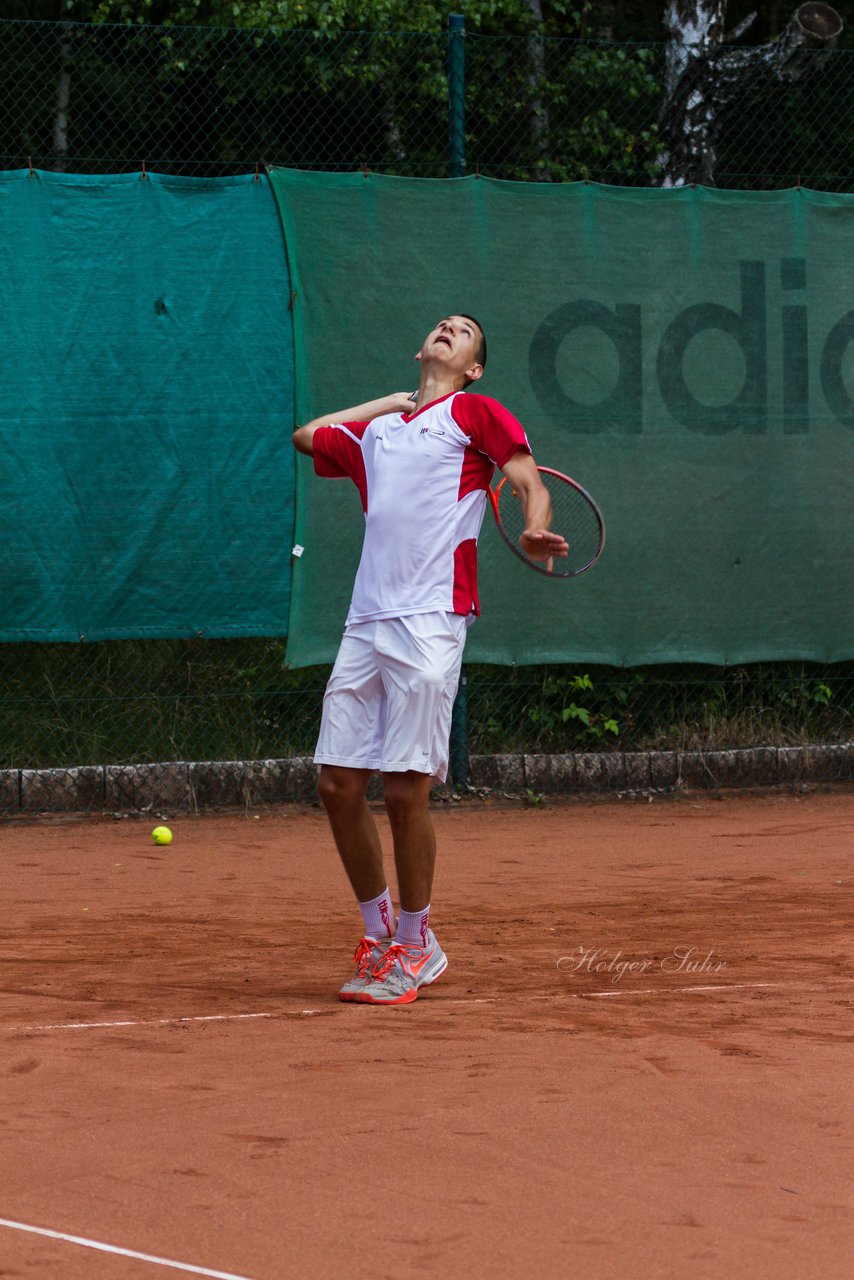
{"x": 460, "y": 736}
{"x": 456, "y": 95}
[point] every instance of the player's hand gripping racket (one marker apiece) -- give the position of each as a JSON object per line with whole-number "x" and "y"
{"x": 574, "y": 514}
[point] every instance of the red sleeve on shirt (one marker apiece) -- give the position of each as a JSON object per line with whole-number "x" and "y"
{"x": 337, "y": 455}
{"x": 490, "y": 427}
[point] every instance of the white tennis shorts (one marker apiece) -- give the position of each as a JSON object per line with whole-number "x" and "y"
{"x": 388, "y": 702}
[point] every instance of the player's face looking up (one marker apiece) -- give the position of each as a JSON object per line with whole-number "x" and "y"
{"x": 455, "y": 348}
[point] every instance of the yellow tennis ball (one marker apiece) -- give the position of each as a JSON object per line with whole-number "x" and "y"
{"x": 161, "y": 835}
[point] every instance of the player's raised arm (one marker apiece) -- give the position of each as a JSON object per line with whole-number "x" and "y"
{"x": 537, "y": 539}
{"x": 397, "y": 402}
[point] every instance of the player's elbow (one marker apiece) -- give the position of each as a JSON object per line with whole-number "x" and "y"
{"x": 302, "y": 440}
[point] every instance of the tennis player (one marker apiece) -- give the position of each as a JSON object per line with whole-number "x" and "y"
{"x": 422, "y": 465}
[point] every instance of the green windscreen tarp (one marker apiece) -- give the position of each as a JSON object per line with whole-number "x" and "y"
{"x": 146, "y": 408}
{"x": 688, "y": 355}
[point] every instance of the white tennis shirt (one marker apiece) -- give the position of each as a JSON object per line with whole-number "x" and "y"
{"x": 423, "y": 480}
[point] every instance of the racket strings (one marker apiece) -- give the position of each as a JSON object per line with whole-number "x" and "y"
{"x": 573, "y": 515}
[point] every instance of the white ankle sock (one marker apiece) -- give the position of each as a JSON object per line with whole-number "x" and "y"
{"x": 378, "y": 915}
{"x": 412, "y": 927}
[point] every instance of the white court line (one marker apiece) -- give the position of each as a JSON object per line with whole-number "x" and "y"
{"x": 125, "y": 1253}
{"x": 817, "y": 984}
{"x": 571, "y": 995}
{"x": 674, "y": 991}
{"x": 144, "y": 1022}
{"x": 723, "y": 986}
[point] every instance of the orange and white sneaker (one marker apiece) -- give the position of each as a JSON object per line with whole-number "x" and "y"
{"x": 366, "y": 955}
{"x": 398, "y": 975}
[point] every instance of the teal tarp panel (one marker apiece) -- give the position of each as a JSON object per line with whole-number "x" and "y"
{"x": 146, "y": 408}
{"x": 688, "y": 355}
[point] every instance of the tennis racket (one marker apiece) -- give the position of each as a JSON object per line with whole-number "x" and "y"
{"x": 574, "y": 515}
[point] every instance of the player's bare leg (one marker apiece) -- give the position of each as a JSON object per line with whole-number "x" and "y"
{"x": 415, "y": 959}
{"x": 342, "y": 793}
{"x": 407, "y": 797}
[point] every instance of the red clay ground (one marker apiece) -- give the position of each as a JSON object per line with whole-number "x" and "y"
{"x": 529, "y": 1115}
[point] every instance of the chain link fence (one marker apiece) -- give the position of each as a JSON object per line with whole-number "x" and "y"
{"x": 185, "y": 723}
{"x": 210, "y": 101}
{"x": 175, "y": 724}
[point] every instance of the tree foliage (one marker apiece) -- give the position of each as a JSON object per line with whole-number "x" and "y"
{"x": 210, "y": 86}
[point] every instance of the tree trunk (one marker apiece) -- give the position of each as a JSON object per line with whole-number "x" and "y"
{"x": 705, "y": 74}
{"x": 395, "y": 148}
{"x": 539, "y": 111}
{"x": 63, "y": 99}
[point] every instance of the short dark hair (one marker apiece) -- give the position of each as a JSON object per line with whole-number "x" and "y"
{"x": 481, "y": 348}
{"x": 481, "y": 351}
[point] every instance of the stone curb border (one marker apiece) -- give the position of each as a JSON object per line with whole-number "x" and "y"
{"x": 184, "y": 786}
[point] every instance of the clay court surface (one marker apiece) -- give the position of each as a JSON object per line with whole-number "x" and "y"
{"x": 180, "y": 1081}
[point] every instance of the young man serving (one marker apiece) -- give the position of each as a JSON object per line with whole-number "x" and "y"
{"x": 422, "y": 465}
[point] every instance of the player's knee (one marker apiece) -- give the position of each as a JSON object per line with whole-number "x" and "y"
{"x": 339, "y": 788}
{"x": 404, "y": 794}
